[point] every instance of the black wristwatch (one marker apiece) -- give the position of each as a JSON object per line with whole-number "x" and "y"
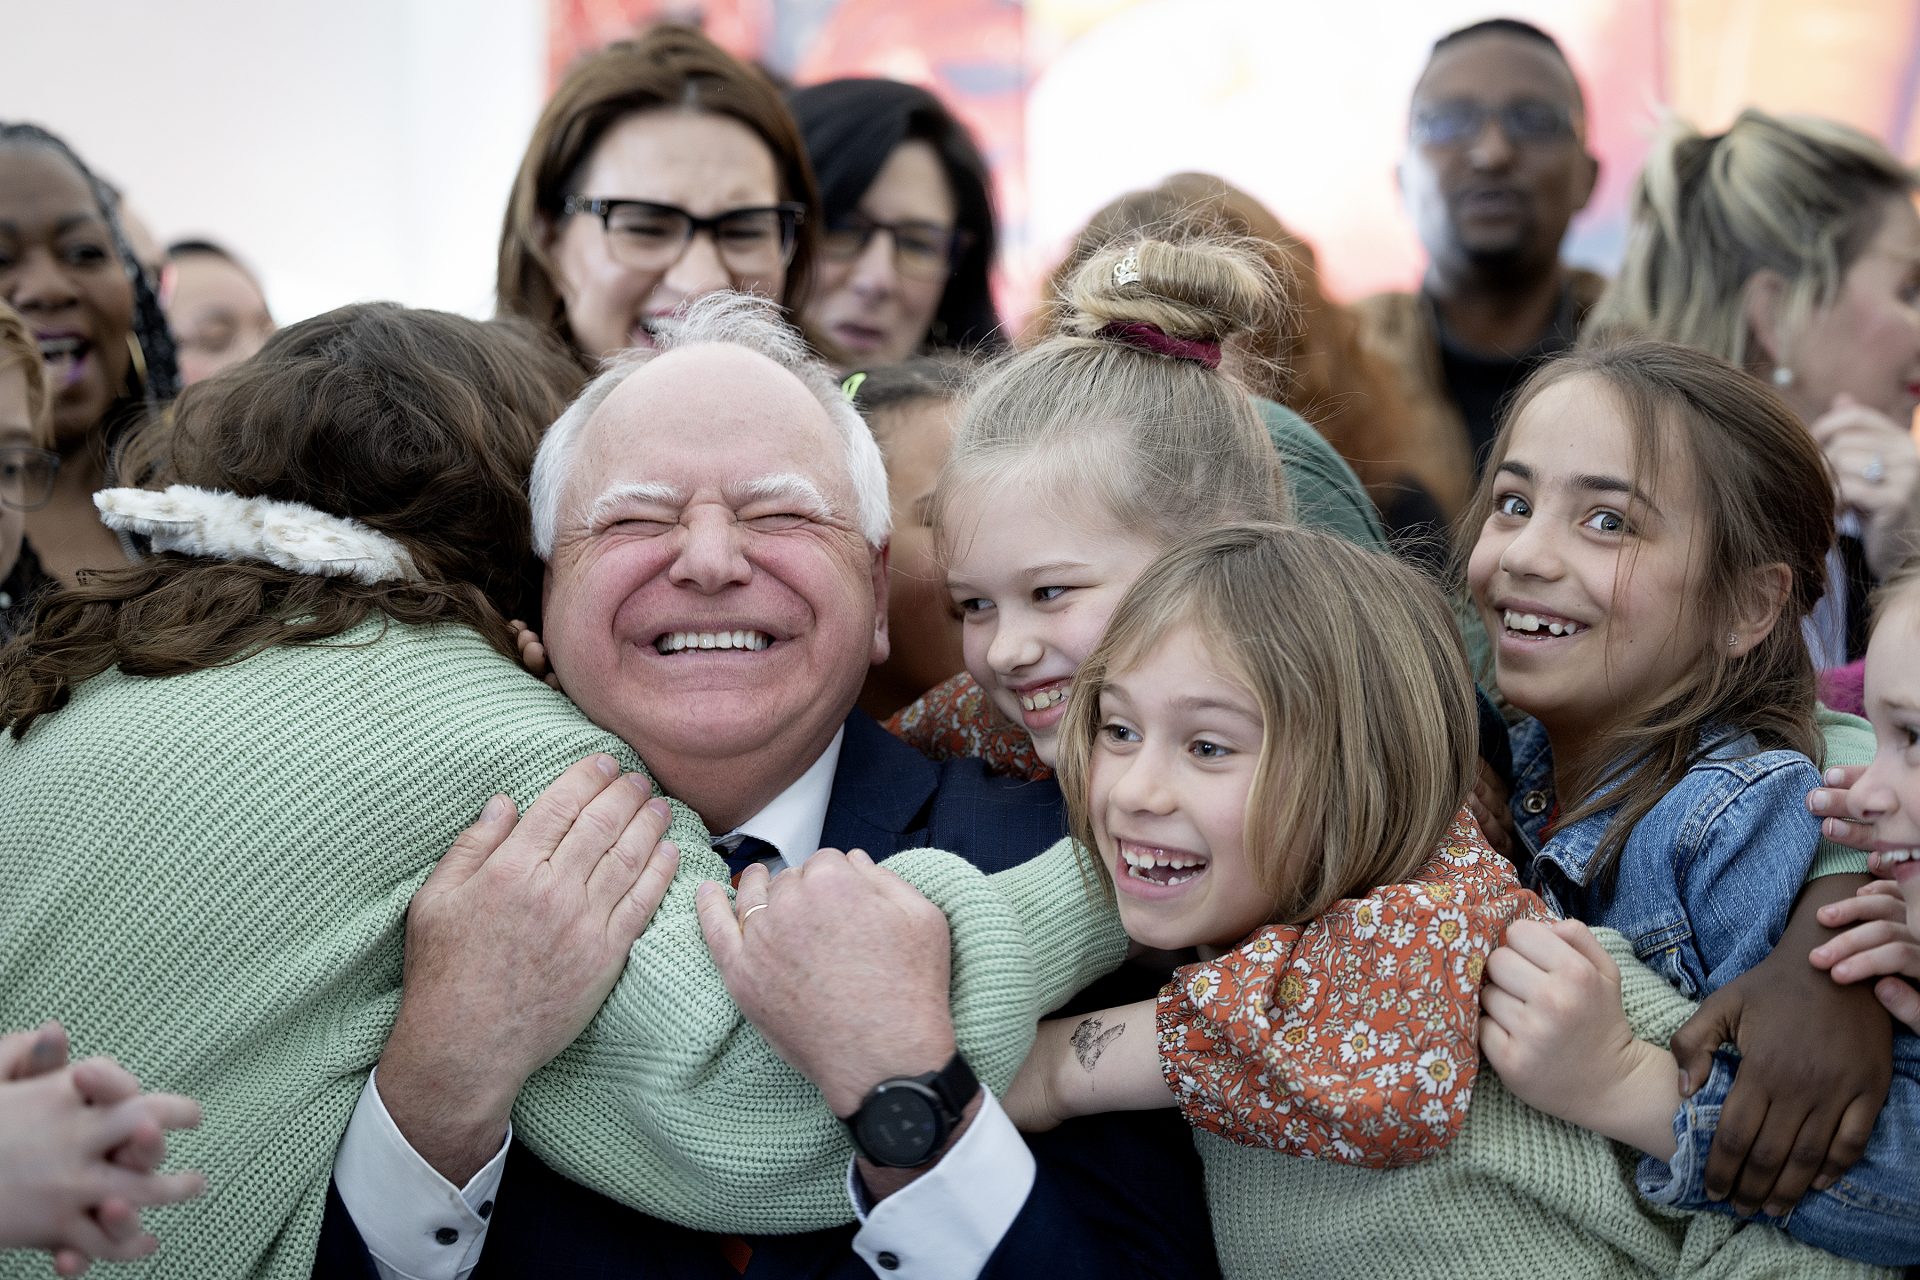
{"x": 903, "y": 1122}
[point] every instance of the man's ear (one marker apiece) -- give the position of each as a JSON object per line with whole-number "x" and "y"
{"x": 1764, "y": 303}
{"x": 1588, "y": 178}
{"x": 882, "y": 645}
{"x": 1761, "y": 605}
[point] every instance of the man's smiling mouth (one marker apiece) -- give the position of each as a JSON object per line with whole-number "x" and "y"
{"x": 682, "y": 641}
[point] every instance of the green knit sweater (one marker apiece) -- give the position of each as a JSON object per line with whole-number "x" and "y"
{"x": 206, "y": 877}
{"x": 1518, "y": 1193}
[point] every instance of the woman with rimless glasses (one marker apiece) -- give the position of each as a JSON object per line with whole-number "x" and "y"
{"x": 908, "y": 234}
{"x": 662, "y": 169}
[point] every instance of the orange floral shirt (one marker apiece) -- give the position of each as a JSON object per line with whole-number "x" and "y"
{"x": 955, "y": 721}
{"x": 1353, "y": 1037}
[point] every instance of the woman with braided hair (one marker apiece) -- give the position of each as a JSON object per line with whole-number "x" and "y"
{"x": 67, "y": 268}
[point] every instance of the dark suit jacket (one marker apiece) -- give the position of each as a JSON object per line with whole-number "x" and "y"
{"x": 1117, "y": 1195}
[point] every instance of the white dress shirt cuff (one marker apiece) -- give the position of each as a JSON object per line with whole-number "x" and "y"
{"x": 948, "y": 1222}
{"x": 416, "y": 1224}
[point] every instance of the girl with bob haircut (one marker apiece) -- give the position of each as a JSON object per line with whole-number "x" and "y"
{"x": 1789, "y": 246}
{"x": 597, "y": 267}
{"x": 1266, "y": 760}
{"x": 1652, "y": 529}
{"x": 892, "y": 157}
{"x": 1101, "y": 445}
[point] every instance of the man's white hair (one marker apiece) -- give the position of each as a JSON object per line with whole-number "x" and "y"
{"x": 732, "y": 319}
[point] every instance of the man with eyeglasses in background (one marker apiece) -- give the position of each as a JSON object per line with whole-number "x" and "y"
{"x": 1495, "y": 168}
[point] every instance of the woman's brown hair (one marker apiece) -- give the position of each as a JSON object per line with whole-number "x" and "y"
{"x": 419, "y": 424}
{"x": 1371, "y": 731}
{"x": 670, "y": 67}
{"x": 1766, "y": 499}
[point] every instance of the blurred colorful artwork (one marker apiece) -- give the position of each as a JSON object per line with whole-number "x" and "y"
{"x": 1304, "y": 104}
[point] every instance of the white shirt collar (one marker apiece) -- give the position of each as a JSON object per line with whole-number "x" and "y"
{"x": 792, "y": 820}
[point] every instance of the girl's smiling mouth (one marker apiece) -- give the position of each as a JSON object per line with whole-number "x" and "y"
{"x": 1143, "y": 867}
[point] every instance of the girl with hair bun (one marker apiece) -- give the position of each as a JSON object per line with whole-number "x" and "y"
{"x": 1789, "y": 246}
{"x": 1080, "y": 459}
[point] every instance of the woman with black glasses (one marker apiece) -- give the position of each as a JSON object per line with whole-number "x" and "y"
{"x": 662, "y": 169}
{"x": 909, "y": 230}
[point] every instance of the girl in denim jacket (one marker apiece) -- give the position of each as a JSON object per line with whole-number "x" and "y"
{"x": 1651, "y": 532}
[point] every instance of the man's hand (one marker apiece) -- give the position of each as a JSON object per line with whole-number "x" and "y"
{"x": 843, "y": 967}
{"x": 1816, "y": 1060}
{"x": 1555, "y": 1031}
{"x": 512, "y": 944}
{"x": 1881, "y": 944}
{"x": 79, "y": 1150}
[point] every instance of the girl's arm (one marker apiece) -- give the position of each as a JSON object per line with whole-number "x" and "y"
{"x": 1105, "y": 1061}
{"x": 1557, "y": 1034}
{"x": 1352, "y": 1037}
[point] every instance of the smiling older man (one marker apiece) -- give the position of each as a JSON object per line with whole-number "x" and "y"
{"x": 714, "y": 520}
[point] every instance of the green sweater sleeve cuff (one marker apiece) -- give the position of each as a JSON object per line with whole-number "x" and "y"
{"x": 1847, "y": 740}
{"x": 673, "y": 1104}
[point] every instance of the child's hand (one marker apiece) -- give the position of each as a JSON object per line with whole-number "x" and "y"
{"x": 1881, "y": 943}
{"x": 1554, "y": 1028}
{"x": 533, "y": 654}
{"x": 1834, "y": 803}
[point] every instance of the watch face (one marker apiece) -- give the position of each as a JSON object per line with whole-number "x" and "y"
{"x": 899, "y": 1127}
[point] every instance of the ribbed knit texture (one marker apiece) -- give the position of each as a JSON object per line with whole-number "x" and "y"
{"x": 206, "y": 877}
{"x": 1518, "y": 1193}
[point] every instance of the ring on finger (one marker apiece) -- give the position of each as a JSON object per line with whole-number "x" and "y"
{"x": 1875, "y": 471}
{"x": 748, "y": 913}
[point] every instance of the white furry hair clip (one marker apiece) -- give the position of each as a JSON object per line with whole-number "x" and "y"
{"x": 226, "y": 526}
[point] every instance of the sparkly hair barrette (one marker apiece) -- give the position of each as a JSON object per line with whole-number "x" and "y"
{"x": 1127, "y": 270}
{"x": 226, "y": 526}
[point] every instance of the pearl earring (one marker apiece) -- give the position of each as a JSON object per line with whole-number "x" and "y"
{"x": 1782, "y": 376}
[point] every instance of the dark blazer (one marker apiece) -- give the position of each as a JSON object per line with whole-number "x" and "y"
{"x": 1113, "y": 1195}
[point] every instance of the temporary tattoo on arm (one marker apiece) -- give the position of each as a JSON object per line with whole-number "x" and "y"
{"x": 1090, "y": 1041}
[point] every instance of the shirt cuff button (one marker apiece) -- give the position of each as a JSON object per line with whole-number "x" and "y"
{"x": 888, "y": 1261}
{"x": 446, "y": 1235}
{"x": 486, "y": 1209}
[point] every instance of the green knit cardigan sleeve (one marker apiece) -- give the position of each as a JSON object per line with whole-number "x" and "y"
{"x": 672, "y": 1104}
{"x": 207, "y": 876}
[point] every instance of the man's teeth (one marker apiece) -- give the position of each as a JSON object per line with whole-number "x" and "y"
{"x": 675, "y": 641}
{"x": 1140, "y": 863}
{"x": 1534, "y": 622}
{"x": 1044, "y": 699}
{"x": 1889, "y": 857}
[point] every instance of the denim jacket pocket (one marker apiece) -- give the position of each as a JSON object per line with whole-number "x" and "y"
{"x": 1663, "y": 949}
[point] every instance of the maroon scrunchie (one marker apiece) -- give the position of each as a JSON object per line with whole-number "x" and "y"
{"x": 1151, "y": 337}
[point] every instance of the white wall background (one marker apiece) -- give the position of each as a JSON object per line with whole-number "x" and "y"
{"x": 348, "y": 149}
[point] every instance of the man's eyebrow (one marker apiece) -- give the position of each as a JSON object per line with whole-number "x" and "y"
{"x": 783, "y": 486}
{"x": 621, "y": 495}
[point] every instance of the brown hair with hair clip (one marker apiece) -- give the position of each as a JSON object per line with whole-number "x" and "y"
{"x": 419, "y": 424}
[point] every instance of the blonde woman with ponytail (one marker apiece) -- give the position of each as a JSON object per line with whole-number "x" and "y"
{"x": 1789, "y": 245}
